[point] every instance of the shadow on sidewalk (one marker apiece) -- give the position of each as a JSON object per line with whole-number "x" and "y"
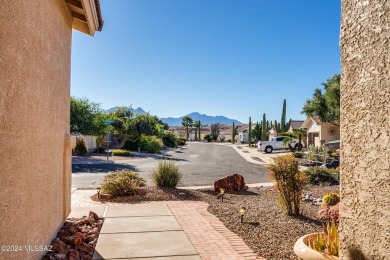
{"x": 101, "y": 168}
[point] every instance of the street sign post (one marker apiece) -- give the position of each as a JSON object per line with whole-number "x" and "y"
{"x": 108, "y": 122}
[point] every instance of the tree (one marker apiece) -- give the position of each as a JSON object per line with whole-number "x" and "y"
{"x": 146, "y": 125}
{"x": 256, "y": 132}
{"x": 197, "y": 126}
{"x": 283, "y": 120}
{"x": 86, "y": 117}
{"x": 122, "y": 127}
{"x": 264, "y": 130}
{"x": 187, "y": 122}
{"x": 325, "y": 106}
{"x": 214, "y": 129}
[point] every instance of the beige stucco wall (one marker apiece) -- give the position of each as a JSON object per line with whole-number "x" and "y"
{"x": 365, "y": 129}
{"x": 35, "y": 45}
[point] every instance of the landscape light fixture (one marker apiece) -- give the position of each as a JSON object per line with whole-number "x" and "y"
{"x": 242, "y": 213}
{"x": 98, "y": 192}
{"x": 222, "y": 193}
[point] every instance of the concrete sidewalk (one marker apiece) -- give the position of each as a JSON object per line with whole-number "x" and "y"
{"x": 160, "y": 230}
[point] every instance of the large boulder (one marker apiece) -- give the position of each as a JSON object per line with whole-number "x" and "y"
{"x": 233, "y": 182}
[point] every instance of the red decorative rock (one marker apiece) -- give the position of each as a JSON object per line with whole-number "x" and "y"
{"x": 76, "y": 239}
{"x": 233, "y": 182}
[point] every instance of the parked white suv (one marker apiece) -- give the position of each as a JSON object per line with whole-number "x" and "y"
{"x": 275, "y": 144}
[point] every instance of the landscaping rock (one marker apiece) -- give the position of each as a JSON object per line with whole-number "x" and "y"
{"x": 77, "y": 238}
{"x": 233, "y": 182}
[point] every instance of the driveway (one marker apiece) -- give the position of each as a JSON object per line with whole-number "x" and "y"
{"x": 201, "y": 164}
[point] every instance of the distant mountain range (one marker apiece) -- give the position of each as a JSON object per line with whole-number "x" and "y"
{"x": 138, "y": 111}
{"x": 176, "y": 121}
{"x": 204, "y": 119}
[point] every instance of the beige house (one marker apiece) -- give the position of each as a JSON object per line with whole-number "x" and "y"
{"x": 320, "y": 133}
{"x": 35, "y": 155}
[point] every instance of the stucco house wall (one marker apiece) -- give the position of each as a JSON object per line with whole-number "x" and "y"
{"x": 365, "y": 129}
{"x": 35, "y": 154}
{"x": 35, "y": 178}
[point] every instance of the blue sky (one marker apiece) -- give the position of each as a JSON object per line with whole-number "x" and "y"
{"x": 236, "y": 58}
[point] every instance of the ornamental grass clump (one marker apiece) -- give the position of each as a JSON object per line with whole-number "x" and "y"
{"x": 289, "y": 182}
{"x": 120, "y": 152}
{"x": 327, "y": 242}
{"x": 167, "y": 174}
{"x": 122, "y": 183}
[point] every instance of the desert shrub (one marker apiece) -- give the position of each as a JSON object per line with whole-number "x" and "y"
{"x": 81, "y": 147}
{"x": 229, "y": 140}
{"x": 297, "y": 154}
{"x": 120, "y": 152}
{"x": 289, "y": 182}
{"x": 167, "y": 174}
{"x": 208, "y": 138}
{"x": 99, "y": 149}
{"x": 319, "y": 175}
{"x": 151, "y": 144}
{"x": 122, "y": 183}
{"x": 330, "y": 213}
{"x": 330, "y": 199}
{"x": 170, "y": 139}
{"x": 181, "y": 141}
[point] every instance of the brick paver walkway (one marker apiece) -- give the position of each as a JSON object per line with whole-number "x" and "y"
{"x": 211, "y": 239}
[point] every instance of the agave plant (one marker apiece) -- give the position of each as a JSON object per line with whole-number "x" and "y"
{"x": 327, "y": 242}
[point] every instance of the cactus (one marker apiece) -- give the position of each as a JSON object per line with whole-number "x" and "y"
{"x": 330, "y": 199}
{"x": 283, "y": 120}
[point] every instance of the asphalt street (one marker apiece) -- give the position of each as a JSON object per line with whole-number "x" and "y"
{"x": 201, "y": 164}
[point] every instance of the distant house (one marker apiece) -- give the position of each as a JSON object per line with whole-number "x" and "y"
{"x": 295, "y": 124}
{"x": 243, "y": 133}
{"x": 181, "y": 132}
{"x": 319, "y": 133}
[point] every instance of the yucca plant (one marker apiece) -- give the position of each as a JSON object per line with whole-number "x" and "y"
{"x": 327, "y": 242}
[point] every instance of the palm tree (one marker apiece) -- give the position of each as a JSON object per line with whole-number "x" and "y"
{"x": 300, "y": 132}
{"x": 187, "y": 122}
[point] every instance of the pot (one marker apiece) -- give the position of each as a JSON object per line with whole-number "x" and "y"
{"x": 304, "y": 252}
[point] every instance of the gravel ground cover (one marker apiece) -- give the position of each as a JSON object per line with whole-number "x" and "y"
{"x": 266, "y": 228}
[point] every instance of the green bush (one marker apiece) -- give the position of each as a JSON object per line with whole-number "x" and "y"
{"x": 167, "y": 174}
{"x": 99, "y": 149}
{"x": 208, "y": 138}
{"x": 297, "y": 154}
{"x": 122, "y": 183}
{"x": 319, "y": 175}
{"x": 151, "y": 144}
{"x": 81, "y": 147}
{"x": 170, "y": 139}
{"x": 289, "y": 182}
{"x": 120, "y": 152}
{"x": 181, "y": 141}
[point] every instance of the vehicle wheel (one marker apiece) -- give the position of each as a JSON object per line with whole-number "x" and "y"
{"x": 298, "y": 147}
{"x": 268, "y": 149}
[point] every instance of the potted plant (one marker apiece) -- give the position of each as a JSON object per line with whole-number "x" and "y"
{"x": 319, "y": 246}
